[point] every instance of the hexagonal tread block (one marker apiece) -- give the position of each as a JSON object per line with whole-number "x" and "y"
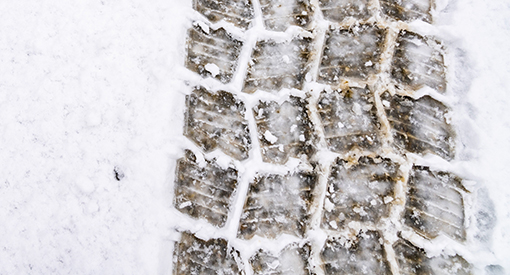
{"x": 420, "y": 125}
{"x": 407, "y": 10}
{"x": 418, "y": 62}
{"x": 351, "y": 52}
{"x": 216, "y": 120}
{"x": 213, "y": 53}
{"x": 364, "y": 255}
{"x": 284, "y": 130}
{"x": 238, "y": 12}
{"x": 349, "y": 119}
{"x": 435, "y": 204}
{"x": 278, "y": 15}
{"x": 413, "y": 260}
{"x": 292, "y": 260}
{"x": 359, "y": 192}
{"x": 195, "y": 256}
{"x": 277, "y": 65}
{"x": 339, "y": 10}
{"x": 204, "y": 192}
{"x": 277, "y": 204}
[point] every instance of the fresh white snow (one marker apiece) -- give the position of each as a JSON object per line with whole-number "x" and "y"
{"x": 91, "y": 86}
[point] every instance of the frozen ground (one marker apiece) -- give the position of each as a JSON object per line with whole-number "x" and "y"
{"x": 92, "y": 99}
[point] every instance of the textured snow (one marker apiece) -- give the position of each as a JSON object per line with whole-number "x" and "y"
{"x": 286, "y": 124}
{"x": 357, "y": 193}
{"x": 212, "y": 48}
{"x": 339, "y": 10}
{"x": 349, "y": 119}
{"x": 92, "y": 90}
{"x": 276, "y": 65}
{"x": 278, "y": 15}
{"x": 217, "y": 120}
{"x": 363, "y": 255}
{"x": 238, "y": 12}
{"x": 347, "y": 53}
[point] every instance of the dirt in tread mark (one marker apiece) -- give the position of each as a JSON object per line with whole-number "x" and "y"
{"x": 204, "y": 192}
{"x": 353, "y": 52}
{"x": 216, "y": 120}
{"x": 274, "y": 65}
{"x": 237, "y": 12}
{"x": 284, "y": 130}
{"x": 363, "y": 255}
{"x": 278, "y": 15}
{"x": 407, "y": 10}
{"x": 362, "y": 192}
{"x": 413, "y": 260}
{"x": 277, "y": 204}
{"x": 420, "y": 125}
{"x": 418, "y": 62}
{"x": 195, "y": 256}
{"x": 213, "y": 53}
{"x": 293, "y": 259}
{"x": 349, "y": 119}
{"x": 342, "y": 100}
{"x": 435, "y": 203}
{"x": 339, "y": 10}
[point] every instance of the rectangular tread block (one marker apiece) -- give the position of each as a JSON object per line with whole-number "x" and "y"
{"x": 418, "y": 62}
{"x": 237, "y": 12}
{"x": 213, "y": 53}
{"x": 407, "y": 10}
{"x": 413, "y": 260}
{"x": 360, "y": 192}
{"x": 349, "y": 119}
{"x": 195, "y": 256}
{"x": 364, "y": 255}
{"x": 284, "y": 130}
{"x": 277, "y": 204}
{"x": 339, "y": 10}
{"x": 351, "y": 52}
{"x": 420, "y": 125}
{"x": 278, "y": 15}
{"x": 204, "y": 192}
{"x": 278, "y": 65}
{"x": 435, "y": 204}
{"x": 292, "y": 260}
{"x": 217, "y": 120}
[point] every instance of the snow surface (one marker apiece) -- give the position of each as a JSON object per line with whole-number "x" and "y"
{"x": 94, "y": 89}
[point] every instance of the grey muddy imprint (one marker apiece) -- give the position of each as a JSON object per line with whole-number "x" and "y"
{"x": 334, "y": 78}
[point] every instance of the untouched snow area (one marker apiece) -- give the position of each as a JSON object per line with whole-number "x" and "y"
{"x": 92, "y": 98}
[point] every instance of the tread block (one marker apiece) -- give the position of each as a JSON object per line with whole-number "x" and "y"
{"x": 351, "y": 52}
{"x": 349, "y": 119}
{"x": 277, "y": 204}
{"x": 360, "y": 192}
{"x": 284, "y": 130}
{"x": 278, "y": 15}
{"x": 407, "y": 10}
{"x": 214, "y": 53}
{"x": 420, "y": 125}
{"x": 237, "y": 12}
{"x": 274, "y": 66}
{"x": 195, "y": 256}
{"x": 364, "y": 255}
{"x": 204, "y": 192}
{"x": 434, "y": 204}
{"x": 216, "y": 120}
{"x": 418, "y": 62}
{"x": 339, "y": 10}
{"x": 413, "y": 260}
{"x": 292, "y": 260}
